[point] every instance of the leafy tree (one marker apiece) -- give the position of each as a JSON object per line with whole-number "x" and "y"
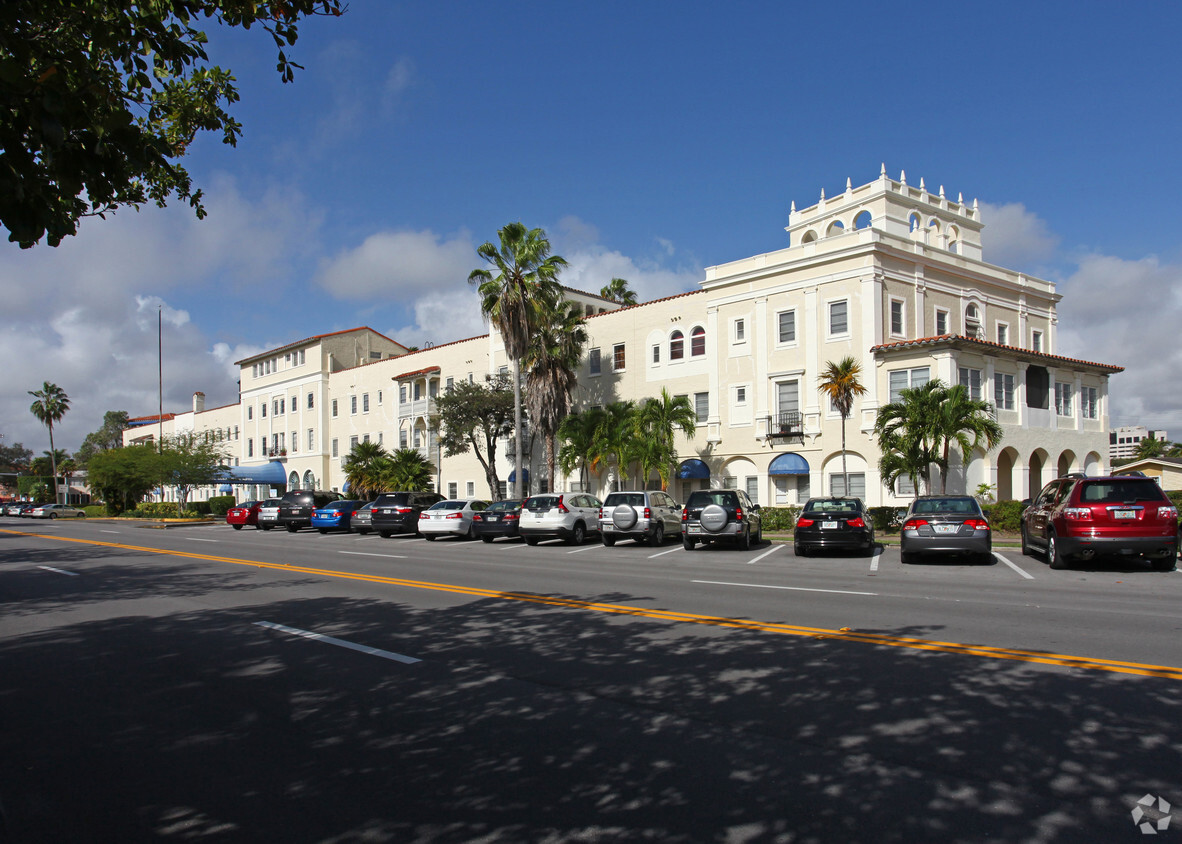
{"x": 966, "y": 423}
{"x": 524, "y": 287}
{"x": 15, "y": 458}
{"x": 552, "y": 364}
{"x": 123, "y": 476}
{"x": 110, "y": 435}
{"x": 657, "y": 425}
{"x": 840, "y": 382}
{"x": 364, "y": 466}
{"x": 50, "y": 406}
{"x": 615, "y": 438}
{"x": 188, "y": 462}
{"x": 474, "y": 416}
{"x": 408, "y": 470}
{"x": 907, "y": 441}
{"x": 617, "y": 290}
{"x": 101, "y": 98}
{"x": 577, "y": 435}
{"x": 1152, "y": 447}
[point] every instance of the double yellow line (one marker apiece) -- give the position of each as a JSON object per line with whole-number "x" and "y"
{"x": 844, "y": 634}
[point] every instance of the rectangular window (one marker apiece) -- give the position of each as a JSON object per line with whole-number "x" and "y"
{"x": 593, "y": 362}
{"x": 502, "y": 490}
{"x": 311, "y": 439}
{"x": 941, "y": 322}
{"x": 904, "y": 486}
{"x": 352, "y": 442}
{"x": 365, "y": 438}
{"x": 838, "y": 317}
{"x": 365, "y": 402}
{"x": 970, "y": 379}
{"x": 471, "y": 489}
{"x": 752, "y": 486}
{"x": 432, "y": 389}
{"x": 1003, "y": 334}
{"x": 334, "y": 408}
{"x": 657, "y": 353}
{"x": 311, "y": 401}
{"x": 287, "y": 359}
{"x": 857, "y": 484}
{"x": 453, "y": 489}
{"x": 249, "y": 447}
{"x": 618, "y": 357}
{"x": 740, "y": 331}
{"x": 787, "y": 326}
{"x": 379, "y": 396}
{"x": 402, "y": 394}
{"x": 904, "y": 379}
{"x": 302, "y": 351}
{"x": 702, "y": 407}
{"x": 451, "y": 382}
{"x": 295, "y": 442}
{"x": 1036, "y": 341}
{"x": 1062, "y": 399}
{"x": 897, "y": 317}
{"x": 402, "y": 439}
{"x": 263, "y": 410}
{"x": 249, "y": 412}
{"x": 1089, "y": 401}
{"x": 334, "y": 447}
{"x": 740, "y": 395}
{"x": 1003, "y": 391}
{"x": 418, "y": 439}
{"x": 353, "y": 404}
{"x": 788, "y": 396}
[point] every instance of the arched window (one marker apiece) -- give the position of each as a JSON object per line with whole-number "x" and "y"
{"x": 293, "y": 481}
{"x": 698, "y": 341}
{"x": 809, "y": 236}
{"x": 836, "y": 227}
{"x": 676, "y": 346}
{"x": 862, "y": 221}
{"x": 972, "y": 321}
{"x": 309, "y": 480}
{"x": 914, "y": 222}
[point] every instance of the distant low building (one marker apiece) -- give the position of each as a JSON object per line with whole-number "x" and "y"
{"x": 1123, "y": 441}
{"x": 1166, "y": 470}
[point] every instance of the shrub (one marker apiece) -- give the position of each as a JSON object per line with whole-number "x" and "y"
{"x": 200, "y": 508}
{"x": 1006, "y": 515}
{"x": 887, "y": 519}
{"x": 1175, "y": 495}
{"x": 779, "y": 518}
{"x": 155, "y": 510}
{"x": 219, "y": 504}
{"x": 96, "y": 510}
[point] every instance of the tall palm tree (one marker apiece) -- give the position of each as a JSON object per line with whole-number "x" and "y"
{"x": 552, "y": 363}
{"x": 840, "y": 382}
{"x": 615, "y": 438}
{"x": 50, "y": 406}
{"x": 907, "y": 438}
{"x": 660, "y": 419}
{"x": 526, "y": 282}
{"x": 966, "y": 422}
{"x": 363, "y": 466}
{"x": 406, "y": 469}
{"x": 577, "y": 433}
{"x": 617, "y": 290}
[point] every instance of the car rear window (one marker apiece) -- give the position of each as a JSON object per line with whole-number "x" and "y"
{"x": 541, "y": 502}
{"x": 504, "y": 506}
{"x": 1120, "y": 492}
{"x": 833, "y": 506}
{"x": 388, "y": 498}
{"x": 635, "y": 499}
{"x": 448, "y": 505}
{"x": 946, "y": 505}
{"x": 703, "y": 499}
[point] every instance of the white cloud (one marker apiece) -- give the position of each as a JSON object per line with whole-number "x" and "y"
{"x": 398, "y": 265}
{"x": 1014, "y": 236}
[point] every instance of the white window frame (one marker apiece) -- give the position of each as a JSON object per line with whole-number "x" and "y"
{"x": 901, "y": 305}
{"x": 1003, "y": 333}
{"x": 1089, "y": 402}
{"x": 912, "y": 382}
{"x": 702, "y": 418}
{"x": 942, "y": 314}
{"x": 1063, "y": 397}
{"x": 1003, "y": 390}
{"x": 739, "y": 331}
{"x": 594, "y": 361}
{"x": 829, "y": 306}
{"x": 966, "y": 374}
{"x": 1036, "y": 341}
{"x": 780, "y": 341}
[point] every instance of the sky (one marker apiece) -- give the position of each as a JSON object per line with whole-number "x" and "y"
{"x": 649, "y": 140}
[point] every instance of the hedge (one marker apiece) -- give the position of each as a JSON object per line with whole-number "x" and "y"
{"x": 219, "y": 504}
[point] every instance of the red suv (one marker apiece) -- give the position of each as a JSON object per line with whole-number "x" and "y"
{"x": 1081, "y": 518}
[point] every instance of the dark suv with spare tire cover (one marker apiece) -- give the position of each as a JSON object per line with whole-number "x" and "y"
{"x": 398, "y": 512}
{"x": 713, "y": 515}
{"x": 295, "y": 507}
{"x": 1078, "y": 518}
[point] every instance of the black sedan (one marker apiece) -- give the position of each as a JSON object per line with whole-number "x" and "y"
{"x": 946, "y": 525}
{"x": 833, "y": 523}
{"x": 502, "y": 518}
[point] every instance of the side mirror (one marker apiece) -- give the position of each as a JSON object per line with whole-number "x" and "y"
{"x": 1025, "y": 502}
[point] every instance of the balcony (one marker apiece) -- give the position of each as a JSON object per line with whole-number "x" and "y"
{"x": 786, "y": 425}
{"x": 421, "y": 407}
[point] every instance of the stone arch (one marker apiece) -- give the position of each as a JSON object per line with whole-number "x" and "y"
{"x": 1008, "y": 469}
{"x": 835, "y": 228}
{"x": 309, "y": 480}
{"x": 736, "y": 470}
{"x": 855, "y": 465}
{"x": 809, "y": 237}
{"x": 972, "y": 320}
{"x": 914, "y": 223}
{"x": 1093, "y": 464}
{"x": 863, "y": 220}
{"x": 954, "y": 239}
{"x": 1067, "y": 463}
{"x": 1036, "y": 471}
{"x": 293, "y": 481}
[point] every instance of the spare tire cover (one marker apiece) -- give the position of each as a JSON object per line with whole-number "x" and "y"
{"x": 713, "y": 518}
{"x": 623, "y": 516}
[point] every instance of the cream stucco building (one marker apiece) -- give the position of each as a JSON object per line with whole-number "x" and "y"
{"x": 889, "y": 273}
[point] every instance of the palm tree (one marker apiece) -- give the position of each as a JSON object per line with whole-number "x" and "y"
{"x": 968, "y": 423}
{"x": 907, "y": 439}
{"x": 617, "y": 290}
{"x": 615, "y": 438}
{"x": 363, "y": 466}
{"x": 525, "y": 283}
{"x": 552, "y": 372}
{"x": 68, "y": 469}
{"x": 50, "y": 406}
{"x": 577, "y": 433}
{"x": 406, "y": 469}
{"x": 840, "y": 382}
{"x": 660, "y": 419}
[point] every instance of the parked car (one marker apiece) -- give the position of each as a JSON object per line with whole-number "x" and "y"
{"x": 946, "y": 525}
{"x": 17, "y": 508}
{"x": 641, "y": 515}
{"x": 361, "y": 520}
{"x": 830, "y": 523}
{"x": 713, "y": 515}
{"x": 1079, "y": 518}
{"x": 335, "y": 515}
{"x": 501, "y": 518}
{"x": 398, "y": 512}
{"x": 269, "y": 513}
{"x": 451, "y": 517}
{"x": 54, "y": 511}
{"x": 565, "y": 515}
{"x": 295, "y": 507}
{"x": 246, "y": 513}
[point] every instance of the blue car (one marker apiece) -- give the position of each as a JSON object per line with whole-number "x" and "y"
{"x": 334, "y": 515}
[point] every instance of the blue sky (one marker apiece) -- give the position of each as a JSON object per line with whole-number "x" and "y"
{"x": 649, "y": 140}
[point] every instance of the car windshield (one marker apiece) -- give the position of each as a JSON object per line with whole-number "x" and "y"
{"x": 946, "y": 505}
{"x": 833, "y": 506}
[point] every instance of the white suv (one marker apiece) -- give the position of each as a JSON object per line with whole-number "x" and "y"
{"x": 639, "y": 515}
{"x": 570, "y": 516}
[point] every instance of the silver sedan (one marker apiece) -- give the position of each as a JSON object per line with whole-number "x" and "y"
{"x": 56, "y": 511}
{"x": 450, "y": 518}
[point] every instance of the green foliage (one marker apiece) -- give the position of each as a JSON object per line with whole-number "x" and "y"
{"x": 15, "y": 458}
{"x": 123, "y": 476}
{"x": 475, "y": 416}
{"x": 1175, "y": 495}
{"x": 779, "y": 518}
{"x": 1006, "y": 515}
{"x": 99, "y": 99}
{"x": 156, "y": 510}
{"x": 109, "y": 436}
{"x": 408, "y": 470}
{"x": 95, "y": 511}
{"x": 887, "y": 519}
{"x": 188, "y": 462}
{"x": 219, "y": 504}
{"x": 51, "y": 400}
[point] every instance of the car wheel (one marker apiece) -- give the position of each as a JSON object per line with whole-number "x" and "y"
{"x": 759, "y": 535}
{"x": 487, "y": 538}
{"x": 907, "y": 556}
{"x": 236, "y": 527}
{"x": 580, "y": 534}
{"x": 1164, "y": 563}
{"x": 430, "y": 537}
{"x": 609, "y": 541}
{"x": 322, "y": 531}
{"x": 745, "y": 539}
{"x": 1026, "y": 549}
{"x": 384, "y": 534}
{"x": 292, "y": 528}
{"x": 531, "y": 540}
{"x": 266, "y": 527}
{"x": 1054, "y": 559}
{"x": 800, "y": 551}
{"x": 471, "y": 532}
{"x": 658, "y": 537}
{"x": 52, "y": 516}
{"x": 687, "y": 543}
{"x": 363, "y": 531}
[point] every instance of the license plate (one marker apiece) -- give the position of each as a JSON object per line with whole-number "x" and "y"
{"x": 828, "y": 525}
{"x": 1124, "y": 514}
{"x": 494, "y": 518}
{"x": 946, "y": 529}
{"x": 693, "y": 529}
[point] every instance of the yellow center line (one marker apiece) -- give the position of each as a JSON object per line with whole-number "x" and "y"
{"x": 844, "y": 634}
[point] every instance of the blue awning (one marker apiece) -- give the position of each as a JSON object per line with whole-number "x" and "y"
{"x": 513, "y": 475}
{"x": 693, "y": 469}
{"x": 225, "y": 488}
{"x": 788, "y": 464}
{"x": 269, "y": 474}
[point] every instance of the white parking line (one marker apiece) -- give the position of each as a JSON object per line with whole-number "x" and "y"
{"x": 789, "y": 588}
{"x": 771, "y": 550}
{"x": 1014, "y": 567}
{"x": 663, "y": 553}
{"x": 874, "y": 561}
{"x": 59, "y": 571}
{"x": 368, "y": 554}
{"x": 340, "y": 643}
{"x": 108, "y": 531}
{"x": 586, "y": 548}
{"x": 196, "y": 539}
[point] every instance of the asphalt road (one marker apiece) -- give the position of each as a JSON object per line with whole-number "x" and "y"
{"x": 203, "y": 684}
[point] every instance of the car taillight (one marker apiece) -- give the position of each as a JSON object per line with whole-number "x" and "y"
{"x": 354, "y": 513}
{"x": 685, "y": 514}
{"x": 1077, "y": 514}
{"x": 805, "y": 522}
{"x": 914, "y": 524}
{"x": 402, "y": 510}
{"x": 648, "y": 514}
{"x": 561, "y": 506}
{"x": 1167, "y": 512}
{"x": 601, "y": 512}
{"x": 856, "y": 521}
{"x": 738, "y": 514}
{"x": 977, "y": 524}
{"x": 421, "y": 515}
{"x": 455, "y": 516}
{"x": 476, "y": 517}
{"x": 510, "y": 517}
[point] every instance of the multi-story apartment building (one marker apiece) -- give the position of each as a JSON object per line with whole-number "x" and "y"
{"x": 890, "y": 274}
{"x": 1123, "y": 441}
